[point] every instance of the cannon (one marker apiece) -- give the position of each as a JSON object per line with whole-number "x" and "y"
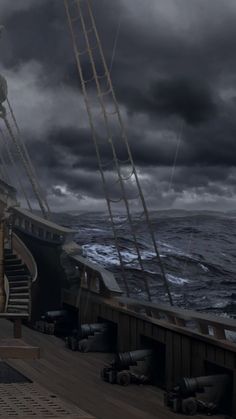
{"x": 200, "y": 394}
{"x": 58, "y": 322}
{"x": 95, "y": 337}
{"x": 55, "y": 315}
{"x": 121, "y": 371}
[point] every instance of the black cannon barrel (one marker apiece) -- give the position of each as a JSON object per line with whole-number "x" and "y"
{"x": 89, "y": 329}
{"x": 55, "y": 315}
{"x": 215, "y": 383}
{"x": 124, "y": 360}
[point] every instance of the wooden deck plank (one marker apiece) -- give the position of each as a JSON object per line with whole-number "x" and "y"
{"x": 75, "y": 377}
{"x": 12, "y": 348}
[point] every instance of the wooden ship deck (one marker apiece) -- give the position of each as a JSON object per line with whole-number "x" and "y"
{"x": 42, "y": 269}
{"x": 75, "y": 377}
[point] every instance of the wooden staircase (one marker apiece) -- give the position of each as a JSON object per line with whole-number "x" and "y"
{"x": 19, "y": 280}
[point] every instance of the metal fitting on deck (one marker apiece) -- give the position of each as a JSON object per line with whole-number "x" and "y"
{"x": 200, "y": 394}
{"x": 120, "y": 369}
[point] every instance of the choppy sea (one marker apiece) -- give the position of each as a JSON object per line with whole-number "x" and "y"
{"x": 197, "y": 249}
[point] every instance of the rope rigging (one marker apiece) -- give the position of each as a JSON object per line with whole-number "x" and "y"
{"x": 25, "y": 165}
{"x": 22, "y": 152}
{"x": 31, "y": 169}
{"x": 101, "y": 94}
{"x": 13, "y": 163}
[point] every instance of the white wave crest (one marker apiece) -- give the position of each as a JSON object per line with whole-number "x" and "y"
{"x": 107, "y": 255}
{"x": 177, "y": 280}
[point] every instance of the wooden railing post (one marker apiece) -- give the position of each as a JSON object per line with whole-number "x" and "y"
{"x": 17, "y": 329}
{"x": 2, "y": 289}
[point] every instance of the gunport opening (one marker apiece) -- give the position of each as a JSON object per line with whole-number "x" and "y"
{"x": 224, "y": 390}
{"x": 112, "y": 333}
{"x": 60, "y": 322}
{"x": 157, "y": 361}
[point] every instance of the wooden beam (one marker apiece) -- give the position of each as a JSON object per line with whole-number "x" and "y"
{"x": 17, "y": 328}
{"x": 17, "y": 349}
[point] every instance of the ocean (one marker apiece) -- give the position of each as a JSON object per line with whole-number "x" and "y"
{"x": 198, "y": 253}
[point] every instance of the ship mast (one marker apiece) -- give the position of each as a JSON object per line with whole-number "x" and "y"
{"x": 89, "y": 52}
{"x": 13, "y": 131}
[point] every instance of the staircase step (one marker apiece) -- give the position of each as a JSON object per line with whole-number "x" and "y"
{"x": 10, "y": 256}
{"x": 15, "y": 307}
{"x": 19, "y": 295}
{"x": 17, "y": 290}
{"x": 15, "y": 267}
{"x": 8, "y": 251}
{"x": 16, "y": 281}
{"x": 12, "y": 274}
{"x": 12, "y": 262}
{"x": 18, "y": 300}
{"x": 18, "y": 278}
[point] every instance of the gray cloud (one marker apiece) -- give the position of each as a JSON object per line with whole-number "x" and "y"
{"x": 174, "y": 66}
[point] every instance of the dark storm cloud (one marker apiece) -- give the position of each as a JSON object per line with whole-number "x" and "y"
{"x": 173, "y": 66}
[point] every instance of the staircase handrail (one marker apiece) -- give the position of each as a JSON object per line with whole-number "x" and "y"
{"x": 26, "y": 256}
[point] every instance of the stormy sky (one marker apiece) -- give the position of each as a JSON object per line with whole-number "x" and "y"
{"x": 173, "y": 65}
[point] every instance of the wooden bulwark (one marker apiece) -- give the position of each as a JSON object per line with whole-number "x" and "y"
{"x": 188, "y": 351}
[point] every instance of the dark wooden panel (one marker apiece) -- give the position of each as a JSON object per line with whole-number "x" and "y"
{"x": 95, "y": 309}
{"x": 186, "y": 356}
{"x": 230, "y": 360}
{"x": 169, "y": 359}
{"x": 177, "y": 357}
{"x": 159, "y": 334}
{"x": 134, "y": 344}
{"x": 140, "y": 330}
{"x": 230, "y": 364}
{"x": 234, "y": 395}
{"x": 220, "y": 357}
{"x": 211, "y": 353}
{"x": 124, "y": 333}
{"x": 148, "y": 329}
{"x": 115, "y": 316}
{"x": 198, "y": 356}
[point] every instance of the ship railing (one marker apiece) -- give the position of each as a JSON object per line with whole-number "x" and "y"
{"x": 31, "y": 224}
{"x": 95, "y": 278}
{"x": 206, "y": 324}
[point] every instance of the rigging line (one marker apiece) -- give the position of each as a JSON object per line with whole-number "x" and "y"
{"x": 13, "y": 163}
{"x": 107, "y": 164}
{"x": 179, "y": 139}
{"x": 94, "y": 138}
{"x": 123, "y": 162}
{"x": 115, "y": 44}
{"x": 4, "y": 170}
{"x": 4, "y": 173}
{"x": 24, "y": 162}
{"x": 113, "y": 149}
{"x": 114, "y": 152}
{"x": 27, "y": 157}
{"x": 1, "y": 173}
{"x": 124, "y": 136}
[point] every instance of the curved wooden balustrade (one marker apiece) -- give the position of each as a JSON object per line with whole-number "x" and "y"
{"x": 23, "y": 295}
{"x": 26, "y": 256}
{"x": 6, "y": 287}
